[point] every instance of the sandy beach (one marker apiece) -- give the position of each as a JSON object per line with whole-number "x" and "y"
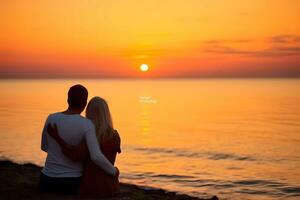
{"x": 21, "y": 182}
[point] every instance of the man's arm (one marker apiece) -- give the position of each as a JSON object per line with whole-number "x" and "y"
{"x": 44, "y": 143}
{"x": 95, "y": 153}
{"x": 75, "y": 153}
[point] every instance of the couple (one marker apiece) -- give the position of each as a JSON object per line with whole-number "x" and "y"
{"x": 80, "y": 151}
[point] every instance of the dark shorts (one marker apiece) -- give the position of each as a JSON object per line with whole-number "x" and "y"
{"x": 66, "y": 185}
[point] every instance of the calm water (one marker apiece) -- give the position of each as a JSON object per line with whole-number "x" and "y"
{"x": 235, "y": 138}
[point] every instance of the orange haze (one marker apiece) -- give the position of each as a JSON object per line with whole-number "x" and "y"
{"x": 191, "y": 38}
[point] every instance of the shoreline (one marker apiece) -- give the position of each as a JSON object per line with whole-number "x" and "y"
{"x": 20, "y": 181}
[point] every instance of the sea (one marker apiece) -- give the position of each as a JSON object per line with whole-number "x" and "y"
{"x": 234, "y": 138}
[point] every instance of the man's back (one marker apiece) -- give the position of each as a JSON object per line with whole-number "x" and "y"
{"x": 72, "y": 128}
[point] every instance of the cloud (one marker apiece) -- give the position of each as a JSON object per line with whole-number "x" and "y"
{"x": 285, "y": 39}
{"x": 281, "y": 51}
{"x": 222, "y": 49}
{"x": 279, "y": 45}
{"x": 226, "y": 41}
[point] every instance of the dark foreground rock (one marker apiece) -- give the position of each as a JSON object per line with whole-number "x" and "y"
{"x": 21, "y": 182}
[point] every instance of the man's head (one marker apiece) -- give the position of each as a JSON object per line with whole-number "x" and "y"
{"x": 77, "y": 97}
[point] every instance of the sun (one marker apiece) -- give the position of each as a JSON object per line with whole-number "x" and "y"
{"x": 144, "y": 67}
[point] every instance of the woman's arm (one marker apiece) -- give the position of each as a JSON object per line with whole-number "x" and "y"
{"x": 75, "y": 153}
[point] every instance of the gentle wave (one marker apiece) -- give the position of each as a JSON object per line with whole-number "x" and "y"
{"x": 246, "y": 186}
{"x": 192, "y": 154}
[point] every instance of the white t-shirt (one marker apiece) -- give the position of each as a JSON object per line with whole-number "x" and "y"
{"x": 72, "y": 129}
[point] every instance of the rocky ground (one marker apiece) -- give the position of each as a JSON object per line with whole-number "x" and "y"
{"x": 21, "y": 181}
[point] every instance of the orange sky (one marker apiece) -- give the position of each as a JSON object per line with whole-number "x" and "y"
{"x": 176, "y": 38}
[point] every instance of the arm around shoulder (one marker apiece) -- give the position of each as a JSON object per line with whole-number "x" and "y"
{"x": 95, "y": 153}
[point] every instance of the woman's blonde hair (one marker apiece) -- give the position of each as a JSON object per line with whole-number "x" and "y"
{"x": 98, "y": 112}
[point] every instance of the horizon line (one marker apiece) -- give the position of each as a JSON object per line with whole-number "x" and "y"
{"x": 153, "y": 78}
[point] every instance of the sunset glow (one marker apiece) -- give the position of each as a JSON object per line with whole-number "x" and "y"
{"x": 217, "y": 38}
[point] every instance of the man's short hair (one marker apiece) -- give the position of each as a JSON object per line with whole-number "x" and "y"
{"x": 77, "y": 96}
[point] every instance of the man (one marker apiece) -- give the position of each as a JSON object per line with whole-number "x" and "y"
{"x": 60, "y": 174}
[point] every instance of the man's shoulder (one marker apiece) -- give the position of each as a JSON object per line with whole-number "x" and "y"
{"x": 62, "y": 115}
{"x": 53, "y": 115}
{"x": 87, "y": 123}
{"x": 80, "y": 120}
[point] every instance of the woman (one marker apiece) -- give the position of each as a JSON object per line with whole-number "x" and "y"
{"x": 95, "y": 182}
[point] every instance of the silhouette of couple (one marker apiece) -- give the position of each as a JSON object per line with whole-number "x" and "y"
{"x": 80, "y": 151}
